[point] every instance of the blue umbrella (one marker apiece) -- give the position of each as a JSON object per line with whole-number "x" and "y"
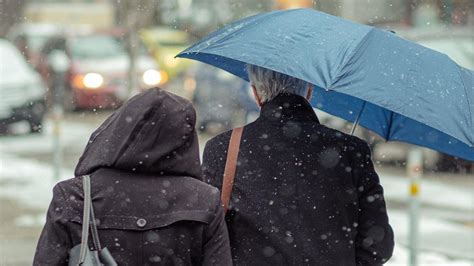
{"x": 396, "y": 88}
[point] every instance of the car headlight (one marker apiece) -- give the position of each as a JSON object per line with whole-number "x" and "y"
{"x": 93, "y": 80}
{"x": 170, "y": 61}
{"x": 151, "y": 77}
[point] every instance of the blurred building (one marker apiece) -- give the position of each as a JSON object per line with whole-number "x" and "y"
{"x": 199, "y": 17}
{"x": 418, "y": 13}
{"x": 95, "y": 13}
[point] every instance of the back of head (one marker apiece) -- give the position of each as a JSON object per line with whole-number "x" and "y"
{"x": 152, "y": 133}
{"x": 269, "y": 83}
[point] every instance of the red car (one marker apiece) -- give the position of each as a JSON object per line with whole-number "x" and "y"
{"x": 98, "y": 71}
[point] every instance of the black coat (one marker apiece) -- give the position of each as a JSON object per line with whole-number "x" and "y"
{"x": 150, "y": 204}
{"x": 304, "y": 194}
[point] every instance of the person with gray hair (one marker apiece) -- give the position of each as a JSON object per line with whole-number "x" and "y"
{"x": 267, "y": 84}
{"x": 302, "y": 193}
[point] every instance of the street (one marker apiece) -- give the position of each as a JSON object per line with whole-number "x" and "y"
{"x": 396, "y": 71}
{"x": 26, "y": 181}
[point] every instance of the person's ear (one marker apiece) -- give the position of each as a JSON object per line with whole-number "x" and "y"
{"x": 309, "y": 94}
{"x": 255, "y": 94}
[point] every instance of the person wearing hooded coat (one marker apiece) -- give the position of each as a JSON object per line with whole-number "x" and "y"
{"x": 150, "y": 205}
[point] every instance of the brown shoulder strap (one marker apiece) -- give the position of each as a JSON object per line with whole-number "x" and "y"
{"x": 230, "y": 166}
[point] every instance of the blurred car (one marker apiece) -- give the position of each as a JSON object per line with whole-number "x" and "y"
{"x": 98, "y": 71}
{"x": 21, "y": 89}
{"x": 222, "y": 100}
{"x": 164, "y": 44}
{"x": 29, "y": 38}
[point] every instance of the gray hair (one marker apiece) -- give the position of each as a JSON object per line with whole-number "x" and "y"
{"x": 269, "y": 83}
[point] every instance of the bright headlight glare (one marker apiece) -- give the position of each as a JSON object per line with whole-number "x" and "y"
{"x": 151, "y": 77}
{"x": 170, "y": 61}
{"x": 93, "y": 80}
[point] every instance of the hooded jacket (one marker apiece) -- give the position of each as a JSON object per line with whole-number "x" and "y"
{"x": 149, "y": 202}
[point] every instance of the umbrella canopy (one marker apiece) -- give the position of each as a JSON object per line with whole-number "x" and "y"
{"x": 399, "y": 89}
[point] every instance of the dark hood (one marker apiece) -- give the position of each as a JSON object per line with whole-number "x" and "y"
{"x": 152, "y": 133}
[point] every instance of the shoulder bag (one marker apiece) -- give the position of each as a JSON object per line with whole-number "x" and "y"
{"x": 81, "y": 254}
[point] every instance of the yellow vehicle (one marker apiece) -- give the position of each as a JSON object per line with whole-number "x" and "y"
{"x": 164, "y": 43}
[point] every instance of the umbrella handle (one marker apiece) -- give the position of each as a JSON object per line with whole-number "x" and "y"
{"x": 354, "y": 126}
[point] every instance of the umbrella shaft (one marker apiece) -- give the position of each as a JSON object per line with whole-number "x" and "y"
{"x": 356, "y": 121}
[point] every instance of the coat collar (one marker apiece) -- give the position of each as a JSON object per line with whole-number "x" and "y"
{"x": 286, "y": 107}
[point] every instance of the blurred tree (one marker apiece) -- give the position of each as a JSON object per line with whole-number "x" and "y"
{"x": 134, "y": 15}
{"x": 139, "y": 12}
{"x": 10, "y": 13}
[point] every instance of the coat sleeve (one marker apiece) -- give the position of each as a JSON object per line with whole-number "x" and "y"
{"x": 55, "y": 242}
{"x": 216, "y": 240}
{"x": 374, "y": 241}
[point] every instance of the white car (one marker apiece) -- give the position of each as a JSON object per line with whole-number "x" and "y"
{"x": 21, "y": 89}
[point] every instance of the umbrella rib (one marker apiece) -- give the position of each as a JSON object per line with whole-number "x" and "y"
{"x": 389, "y": 128}
{"x": 350, "y": 58}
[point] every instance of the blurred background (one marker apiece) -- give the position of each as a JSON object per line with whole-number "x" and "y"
{"x": 66, "y": 65}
